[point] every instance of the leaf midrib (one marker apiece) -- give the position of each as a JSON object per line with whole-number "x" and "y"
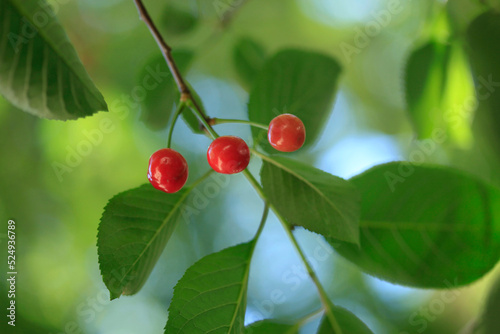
{"x": 54, "y": 49}
{"x": 148, "y": 245}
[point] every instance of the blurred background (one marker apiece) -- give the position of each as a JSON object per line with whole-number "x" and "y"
{"x": 57, "y": 211}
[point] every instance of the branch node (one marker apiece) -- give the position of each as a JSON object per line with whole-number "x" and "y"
{"x": 185, "y": 96}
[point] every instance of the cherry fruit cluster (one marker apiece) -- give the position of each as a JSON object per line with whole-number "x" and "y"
{"x": 168, "y": 170}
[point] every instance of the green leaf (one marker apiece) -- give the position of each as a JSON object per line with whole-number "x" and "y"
{"x": 40, "y": 71}
{"x": 490, "y": 321}
{"x": 483, "y": 37}
{"x": 421, "y": 226}
{"x": 296, "y": 82}
{"x": 135, "y": 227}
{"x": 266, "y": 326}
{"x": 177, "y": 21}
{"x": 347, "y": 321}
{"x": 249, "y": 58}
{"x": 311, "y": 198}
{"x": 437, "y": 81}
{"x": 211, "y": 296}
{"x": 157, "y": 108}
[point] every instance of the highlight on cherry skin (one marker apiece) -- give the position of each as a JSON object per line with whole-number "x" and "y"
{"x": 228, "y": 155}
{"x": 286, "y": 133}
{"x": 168, "y": 170}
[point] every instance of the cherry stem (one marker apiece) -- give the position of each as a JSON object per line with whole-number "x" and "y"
{"x": 179, "y": 110}
{"x": 197, "y": 111}
{"x": 201, "y": 179}
{"x": 262, "y": 222}
{"x": 325, "y": 300}
{"x": 215, "y": 121}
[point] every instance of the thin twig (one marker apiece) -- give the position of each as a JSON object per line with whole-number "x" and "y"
{"x": 165, "y": 49}
{"x": 178, "y": 112}
{"x": 327, "y": 304}
{"x": 167, "y": 53}
{"x": 215, "y": 121}
{"x": 229, "y": 15}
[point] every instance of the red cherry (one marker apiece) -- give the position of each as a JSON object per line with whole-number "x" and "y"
{"x": 168, "y": 170}
{"x": 228, "y": 155}
{"x": 286, "y": 133}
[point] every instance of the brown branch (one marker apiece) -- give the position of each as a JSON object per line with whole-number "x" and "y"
{"x": 165, "y": 49}
{"x": 167, "y": 53}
